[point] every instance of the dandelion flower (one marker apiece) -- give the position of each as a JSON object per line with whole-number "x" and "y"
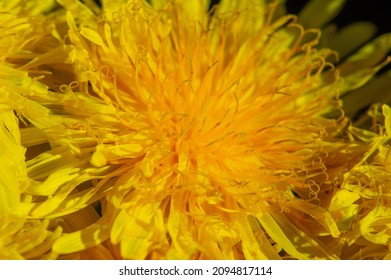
{"x": 183, "y": 132}
{"x": 207, "y": 132}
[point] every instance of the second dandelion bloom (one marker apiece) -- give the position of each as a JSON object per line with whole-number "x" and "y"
{"x": 197, "y": 133}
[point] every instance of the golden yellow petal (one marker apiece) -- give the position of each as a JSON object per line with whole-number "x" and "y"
{"x": 83, "y": 239}
{"x": 319, "y": 214}
{"x": 376, "y": 226}
{"x": 134, "y": 231}
{"x": 387, "y": 116}
{"x": 294, "y": 241}
{"x": 12, "y": 165}
{"x": 255, "y": 244}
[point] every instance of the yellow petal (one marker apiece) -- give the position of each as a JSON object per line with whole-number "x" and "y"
{"x": 255, "y": 246}
{"x": 294, "y": 241}
{"x": 82, "y": 239}
{"x": 376, "y": 226}
{"x": 132, "y": 228}
{"x": 53, "y": 182}
{"x": 180, "y": 231}
{"x": 12, "y": 164}
{"x": 343, "y": 198}
{"x": 319, "y": 214}
{"x": 93, "y": 36}
{"x": 31, "y": 136}
{"x": 387, "y": 115}
{"x": 106, "y": 153}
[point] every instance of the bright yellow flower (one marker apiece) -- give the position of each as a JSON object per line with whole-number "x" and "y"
{"x": 184, "y": 133}
{"x": 211, "y": 128}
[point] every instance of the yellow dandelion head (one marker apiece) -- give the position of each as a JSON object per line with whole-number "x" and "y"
{"x": 207, "y": 125}
{"x": 175, "y": 130}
